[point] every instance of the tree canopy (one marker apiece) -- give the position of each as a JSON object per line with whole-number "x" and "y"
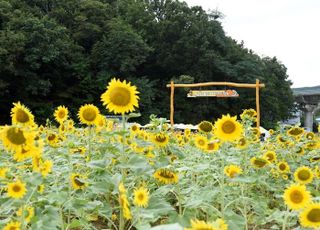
{"x": 57, "y": 52}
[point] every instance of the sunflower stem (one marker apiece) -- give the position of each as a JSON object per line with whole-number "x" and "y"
{"x": 284, "y": 225}
{"x": 222, "y": 184}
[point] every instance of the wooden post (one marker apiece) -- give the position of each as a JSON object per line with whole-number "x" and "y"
{"x": 172, "y": 104}
{"x": 258, "y": 103}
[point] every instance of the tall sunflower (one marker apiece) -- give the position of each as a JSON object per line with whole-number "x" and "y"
{"x": 16, "y": 189}
{"x": 295, "y": 131}
{"x": 201, "y": 142}
{"x": 259, "y": 162}
{"x": 205, "y": 126}
{"x": 15, "y": 138}
{"x": 232, "y": 170}
{"x": 77, "y": 181}
{"x": 271, "y": 156}
{"x": 21, "y": 115}
{"x": 88, "y": 114}
{"x": 283, "y": 167}
{"x": 303, "y": 175}
{"x": 160, "y": 139}
{"x": 120, "y": 97}
{"x": 61, "y": 114}
{"x": 28, "y": 213}
{"x": 12, "y": 225}
{"x": 310, "y": 216}
{"x": 166, "y": 176}
{"x": 201, "y": 225}
{"x": 228, "y": 128}
{"x": 296, "y": 196}
{"x": 141, "y": 197}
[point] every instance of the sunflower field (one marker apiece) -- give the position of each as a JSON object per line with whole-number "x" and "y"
{"x": 107, "y": 174}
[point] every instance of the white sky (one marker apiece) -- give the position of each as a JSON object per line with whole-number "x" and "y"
{"x": 287, "y": 29}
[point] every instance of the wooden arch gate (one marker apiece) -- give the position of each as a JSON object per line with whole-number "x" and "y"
{"x": 256, "y": 86}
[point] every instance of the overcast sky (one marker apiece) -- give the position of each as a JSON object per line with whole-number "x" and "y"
{"x": 287, "y": 29}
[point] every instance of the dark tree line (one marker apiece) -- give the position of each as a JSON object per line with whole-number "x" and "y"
{"x": 64, "y": 52}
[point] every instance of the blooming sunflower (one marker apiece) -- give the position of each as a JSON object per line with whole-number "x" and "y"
{"x": 77, "y": 181}
{"x": 201, "y": 225}
{"x": 88, "y": 114}
{"x": 124, "y": 203}
{"x": 160, "y": 139}
{"x": 259, "y": 162}
{"x": 283, "y": 167}
{"x": 120, "y": 97}
{"x": 271, "y": 156}
{"x": 228, "y": 128}
{"x": 310, "y": 135}
{"x": 242, "y": 143}
{"x": 46, "y": 167}
{"x": 310, "y": 216}
{"x": 295, "y": 131}
{"x": 205, "y": 126}
{"x": 28, "y": 213}
{"x": 3, "y": 172}
{"x": 166, "y": 176}
{"x": 15, "y": 138}
{"x": 61, "y": 114}
{"x": 232, "y": 170}
{"x": 200, "y": 141}
{"x": 248, "y": 114}
{"x": 303, "y": 175}
{"x": 12, "y": 225}
{"x": 135, "y": 128}
{"x": 24, "y": 153}
{"x": 212, "y": 146}
{"x": 296, "y": 196}
{"x": 16, "y": 189}
{"x": 21, "y": 115}
{"x": 141, "y": 197}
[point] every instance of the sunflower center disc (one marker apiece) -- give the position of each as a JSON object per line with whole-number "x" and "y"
{"x": 16, "y": 188}
{"x": 78, "y": 182}
{"x": 61, "y": 114}
{"x": 22, "y": 116}
{"x": 89, "y": 114}
{"x": 260, "y": 163}
{"x": 314, "y": 215}
{"x": 228, "y": 127}
{"x": 16, "y": 136}
{"x": 304, "y": 175}
{"x": 296, "y": 197}
{"x": 120, "y": 96}
{"x": 141, "y": 196}
{"x": 282, "y": 167}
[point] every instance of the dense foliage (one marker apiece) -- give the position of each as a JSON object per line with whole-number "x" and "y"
{"x": 55, "y": 52}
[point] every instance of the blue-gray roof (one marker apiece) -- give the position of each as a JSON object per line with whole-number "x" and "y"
{"x": 314, "y": 90}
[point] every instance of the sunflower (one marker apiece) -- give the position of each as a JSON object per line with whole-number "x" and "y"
{"x": 281, "y": 139}
{"x": 212, "y": 146}
{"x": 24, "y": 153}
{"x": 295, "y": 131}
{"x": 21, "y": 115}
{"x": 141, "y": 197}
{"x": 303, "y": 175}
{"x": 120, "y": 97}
{"x": 296, "y": 196}
{"x": 80, "y": 150}
{"x": 271, "y": 156}
{"x": 124, "y": 203}
{"x": 205, "y": 126}
{"x": 160, "y": 139}
{"x": 135, "y": 128}
{"x": 27, "y": 214}
{"x": 52, "y": 138}
{"x": 3, "y": 172}
{"x": 15, "y": 138}
{"x": 61, "y": 114}
{"x": 310, "y": 216}
{"x": 201, "y": 142}
{"x": 187, "y": 132}
{"x": 166, "y": 176}
{"x": 242, "y": 143}
{"x": 283, "y": 167}
{"x": 201, "y": 225}
{"x": 88, "y": 114}
{"x": 259, "y": 162}
{"x": 248, "y": 114}
{"x": 232, "y": 170}
{"x": 46, "y": 167}
{"x": 310, "y": 135}
{"x": 299, "y": 150}
{"x": 227, "y": 128}
{"x": 12, "y": 225}
{"x": 16, "y": 189}
{"x": 77, "y": 181}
